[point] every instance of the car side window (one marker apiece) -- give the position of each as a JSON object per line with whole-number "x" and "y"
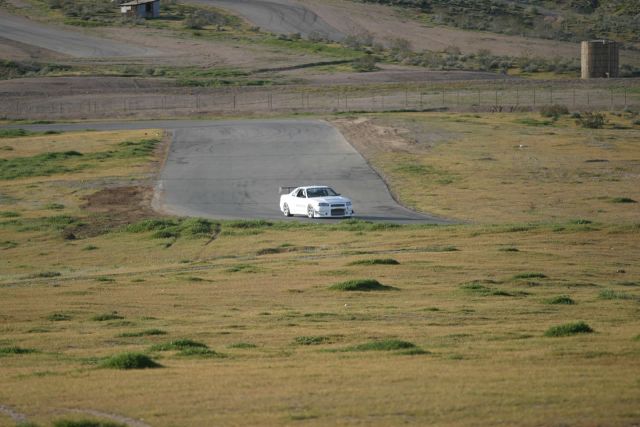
{"x": 300, "y": 193}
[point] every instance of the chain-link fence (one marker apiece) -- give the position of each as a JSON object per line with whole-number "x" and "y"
{"x": 312, "y": 99}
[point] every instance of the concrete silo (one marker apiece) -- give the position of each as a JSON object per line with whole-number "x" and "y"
{"x": 599, "y": 59}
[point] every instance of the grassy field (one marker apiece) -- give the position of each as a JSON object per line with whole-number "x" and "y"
{"x": 513, "y": 318}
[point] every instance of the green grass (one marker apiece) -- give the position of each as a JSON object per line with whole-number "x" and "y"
{"x": 375, "y": 261}
{"x": 242, "y": 345}
{"x": 610, "y": 294}
{"x": 561, "y": 299}
{"x": 383, "y": 345}
{"x": 180, "y": 344}
{"x": 39, "y": 165}
{"x": 568, "y": 329}
{"x": 163, "y": 228}
{"x": 129, "y": 361}
{"x": 148, "y": 332}
{"x": 365, "y": 285}
{"x": 199, "y": 352}
{"x": 46, "y": 274}
{"x": 13, "y": 133}
{"x": 311, "y": 340}
{"x": 59, "y": 317}
{"x": 623, "y": 200}
{"x": 9, "y": 214}
{"x": 16, "y": 350}
{"x": 521, "y": 276}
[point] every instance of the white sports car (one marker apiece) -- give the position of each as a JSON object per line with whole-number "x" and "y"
{"x": 317, "y": 201}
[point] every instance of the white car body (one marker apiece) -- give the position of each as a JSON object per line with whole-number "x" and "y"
{"x": 315, "y": 201}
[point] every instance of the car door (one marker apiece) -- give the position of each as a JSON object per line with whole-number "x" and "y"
{"x": 301, "y": 202}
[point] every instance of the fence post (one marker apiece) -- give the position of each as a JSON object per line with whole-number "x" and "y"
{"x": 611, "y": 91}
{"x": 534, "y": 96}
{"x": 625, "y": 97}
{"x": 421, "y": 100}
{"x": 517, "y": 97}
{"x": 551, "y": 95}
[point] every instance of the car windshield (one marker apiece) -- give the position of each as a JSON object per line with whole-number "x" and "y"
{"x": 321, "y": 192}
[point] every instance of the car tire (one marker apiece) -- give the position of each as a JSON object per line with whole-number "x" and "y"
{"x": 286, "y": 211}
{"x": 310, "y": 212}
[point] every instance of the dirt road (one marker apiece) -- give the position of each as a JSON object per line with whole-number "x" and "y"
{"x": 278, "y": 16}
{"x": 66, "y": 41}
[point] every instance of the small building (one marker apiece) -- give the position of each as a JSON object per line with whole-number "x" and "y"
{"x": 141, "y": 8}
{"x": 600, "y": 58}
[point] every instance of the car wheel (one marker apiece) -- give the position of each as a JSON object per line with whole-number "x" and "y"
{"x": 310, "y": 212}
{"x": 285, "y": 210}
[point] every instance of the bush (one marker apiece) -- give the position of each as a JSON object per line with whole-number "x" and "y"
{"x": 611, "y": 294}
{"x": 130, "y": 361}
{"x": 311, "y": 340}
{"x": 568, "y": 329}
{"x": 384, "y": 345}
{"x": 554, "y": 111}
{"x": 592, "y": 120}
{"x": 180, "y": 344}
{"x": 361, "y": 285}
{"x": 562, "y": 299}
{"x": 107, "y": 316}
{"x": 365, "y": 64}
{"x": 375, "y": 261}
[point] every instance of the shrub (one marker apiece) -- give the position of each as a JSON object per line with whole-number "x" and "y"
{"x": 107, "y": 316}
{"x": 383, "y": 345}
{"x": 12, "y": 133}
{"x": 129, "y": 361}
{"x": 568, "y": 329}
{"x": 554, "y": 111}
{"x": 180, "y": 344}
{"x": 611, "y": 294}
{"x": 376, "y": 261}
{"x": 148, "y": 332}
{"x": 58, "y": 317}
{"x": 16, "y": 350}
{"x": 365, "y": 64}
{"x": 561, "y": 299}
{"x": 199, "y": 352}
{"x": 529, "y": 276}
{"x": 623, "y": 200}
{"x": 242, "y": 345}
{"x": 46, "y": 274}
{"x": 592, "y": 120}
{"x": 361, "y": 285}
{"x": 311, "y": 340}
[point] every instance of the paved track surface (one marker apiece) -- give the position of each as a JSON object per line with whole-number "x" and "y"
{"x": 61, "y": 40}
{"x": 278, "y": 16}
{"x": 233, "y": 169}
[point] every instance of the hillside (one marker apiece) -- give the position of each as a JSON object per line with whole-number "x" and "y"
{"x": 569, "y": 20}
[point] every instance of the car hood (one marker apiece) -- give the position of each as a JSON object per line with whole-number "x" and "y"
{"x": 331, "y": 200}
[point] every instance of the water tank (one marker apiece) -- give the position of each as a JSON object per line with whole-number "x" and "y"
{"x": 599, "y": 59}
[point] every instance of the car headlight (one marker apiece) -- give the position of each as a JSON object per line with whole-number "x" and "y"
{"x": 323, "y": 205}
{"x": 348, "y": 203}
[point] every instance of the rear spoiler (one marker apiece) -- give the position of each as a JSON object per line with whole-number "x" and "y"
{"x": 286, "y": 190}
